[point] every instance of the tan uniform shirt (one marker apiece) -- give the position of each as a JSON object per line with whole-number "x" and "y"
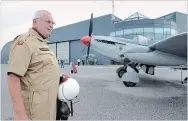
{"x": 31, "y": 58}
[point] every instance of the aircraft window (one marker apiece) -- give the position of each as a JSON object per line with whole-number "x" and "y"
{"x": 148, "y": 30}
{"x": 128, "y": 36}
{"x": 105, "y": 41}
{"x": 138, "y": 30}
{"x": 120, "y": 32}
{"x": 128, "y": 31}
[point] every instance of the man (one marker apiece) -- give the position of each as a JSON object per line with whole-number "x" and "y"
{"x": 78, "y": 62}
{"x": 33, "y": 72}
{"x": 83, "y": 62}
{"x": 62, "y": 63}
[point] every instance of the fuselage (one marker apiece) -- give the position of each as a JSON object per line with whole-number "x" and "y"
{"x": 119, "y": 48}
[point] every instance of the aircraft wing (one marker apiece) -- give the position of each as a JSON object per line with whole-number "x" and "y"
{"x": 175, "y": 45}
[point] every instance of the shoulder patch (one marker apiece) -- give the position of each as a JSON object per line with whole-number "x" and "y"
{"x": 20, "y": 42}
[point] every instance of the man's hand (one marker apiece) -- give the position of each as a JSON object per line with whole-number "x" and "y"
{"x": 17, "y": 100}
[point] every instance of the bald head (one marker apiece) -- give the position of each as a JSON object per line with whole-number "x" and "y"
{"x": 43, "y": 22}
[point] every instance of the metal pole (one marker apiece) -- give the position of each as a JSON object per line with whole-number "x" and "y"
{"x": 113, "y": 8}
{"x": 181, "y": 74}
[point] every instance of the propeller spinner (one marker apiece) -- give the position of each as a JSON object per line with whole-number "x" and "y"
{"x": 86, "y": 40}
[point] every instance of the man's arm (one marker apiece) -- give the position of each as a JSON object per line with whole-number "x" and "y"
{"x": 17, "y": 100}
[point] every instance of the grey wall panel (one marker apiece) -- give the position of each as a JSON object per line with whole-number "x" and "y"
{"x": 181, "y": 20}
{"x": 63, "y": 51}
{"x": 76, "y": 48}
{"x": 53, "y": 48}
{"x": 101, "y": 26}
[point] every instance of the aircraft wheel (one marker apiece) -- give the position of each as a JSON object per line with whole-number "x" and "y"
{"x": 121, "y": 72}
{"x": 64, "y": 118}
{"x": 129, "y": 84}
{"x": 185, "y": 80}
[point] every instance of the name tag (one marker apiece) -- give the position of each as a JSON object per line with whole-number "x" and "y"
{"x": 44, "y": 49}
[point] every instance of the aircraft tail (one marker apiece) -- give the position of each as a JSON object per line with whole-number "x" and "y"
{"x": 176, "y": 45}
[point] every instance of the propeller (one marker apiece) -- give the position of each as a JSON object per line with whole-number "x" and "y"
{"x": 87, "y": 39}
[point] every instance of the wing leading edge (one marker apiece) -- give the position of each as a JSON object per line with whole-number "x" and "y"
{"x": 176, "y": 45}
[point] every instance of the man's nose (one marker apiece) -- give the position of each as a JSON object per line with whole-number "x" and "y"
{"x": 51, "y": 25}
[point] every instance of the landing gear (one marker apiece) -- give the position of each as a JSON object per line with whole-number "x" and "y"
{"x": 120, "y": 71}
{"x": 184, "y": 81}
{"x": 128, "y": 76}
{"x": 129, "y": 84}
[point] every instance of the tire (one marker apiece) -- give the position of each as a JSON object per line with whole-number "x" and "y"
{"x": 185, "y": 80}
{"x": 129, "y": 84}
{"x": 120, "y": 73}
{"x": 64, "y": 118}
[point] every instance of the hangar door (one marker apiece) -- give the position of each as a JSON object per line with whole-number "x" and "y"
{"x": 53, "y": 48}
{"x": 63, "y": 51}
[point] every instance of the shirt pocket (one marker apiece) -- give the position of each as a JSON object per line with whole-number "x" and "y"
{"x": 40, "y": 60}
{"x": 45, "y": 56}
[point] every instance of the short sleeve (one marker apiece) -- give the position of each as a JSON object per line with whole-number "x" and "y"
{"x": 19, "y": 58}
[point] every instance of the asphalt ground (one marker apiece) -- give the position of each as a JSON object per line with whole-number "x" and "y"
{"x": 104, "y": 97}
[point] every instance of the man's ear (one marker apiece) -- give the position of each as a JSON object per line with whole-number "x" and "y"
{"x": 35, "y": 22}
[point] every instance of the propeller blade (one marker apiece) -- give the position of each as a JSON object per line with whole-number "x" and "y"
{"x": 91, "y": 25}
{"x": 90, "y": 33}
{"x": 83, "y": 49}
{"x": 88, "y": 49}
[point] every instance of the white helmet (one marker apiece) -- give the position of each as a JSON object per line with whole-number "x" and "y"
{"x": 68, "y": 89}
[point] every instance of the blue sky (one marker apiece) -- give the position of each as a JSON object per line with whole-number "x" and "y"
{"x": 16, "y": 16}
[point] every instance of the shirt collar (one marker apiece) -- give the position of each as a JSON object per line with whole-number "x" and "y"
{"x": 36, "y": 33}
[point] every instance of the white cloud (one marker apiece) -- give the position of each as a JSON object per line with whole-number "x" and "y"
{"x": 16, "y": 16}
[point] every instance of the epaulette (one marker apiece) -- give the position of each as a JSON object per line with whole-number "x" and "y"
{"x": 17, "y": 37}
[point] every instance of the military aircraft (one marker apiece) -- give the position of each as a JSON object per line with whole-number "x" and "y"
{"x": 138, "y": 54}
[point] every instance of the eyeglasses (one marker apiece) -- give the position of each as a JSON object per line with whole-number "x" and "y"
{"x": 48, "y": 21}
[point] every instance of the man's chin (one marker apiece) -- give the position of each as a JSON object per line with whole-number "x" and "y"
{"x": 48, "y": 34}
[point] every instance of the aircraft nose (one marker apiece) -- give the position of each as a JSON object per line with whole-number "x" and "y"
{"x": 86, "y": 40}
